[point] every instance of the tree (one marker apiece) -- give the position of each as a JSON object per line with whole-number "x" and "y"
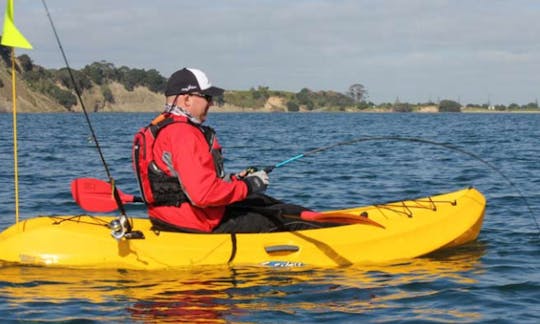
{"x": 357, "y": 92}
{"x": 154, "y": 81}
{"x": 133, "y": 78}
{"x": 513, "y": 106}
{"x": 304, "y": 98}
{"x": 401, "y": 107}
{"x": 25, "y": 62}
{"x": 102, "y": 72}
{"x": 292, "y": 106}
{"x": 364, "y": 105}
{"x": 531, "y": 105}
{"x": 95, "y": 72}
{"x": 5, "y": 53}
{"x": 107, "y": 93}
{"x": 449, "y": 106}
{"x": 63, "y": 97}
{"x": 260, "y": 93}
{"x": 219, "y": 100}
{"x": 82, "y": 80}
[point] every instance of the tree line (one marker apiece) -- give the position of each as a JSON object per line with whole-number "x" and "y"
{"x": 57, "y": 84}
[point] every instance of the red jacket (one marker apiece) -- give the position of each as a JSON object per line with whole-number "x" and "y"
{"x": 194, "y": 164}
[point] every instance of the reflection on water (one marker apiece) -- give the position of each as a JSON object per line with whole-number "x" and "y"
{"x": 456, "y": 286}
{"x": 251, "y": 294}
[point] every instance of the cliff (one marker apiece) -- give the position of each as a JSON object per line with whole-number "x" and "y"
{"x": 106, "y": 88}
{"x": 29, "y": 100}
{"x": 140, "y": 99}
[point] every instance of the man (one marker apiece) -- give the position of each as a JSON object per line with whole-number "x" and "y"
{"x": 180, "y": 170}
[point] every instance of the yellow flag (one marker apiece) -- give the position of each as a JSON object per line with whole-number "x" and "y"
{"x": 12, "y": 36}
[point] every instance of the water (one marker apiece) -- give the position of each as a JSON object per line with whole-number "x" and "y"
{"x": 496, "y": 278}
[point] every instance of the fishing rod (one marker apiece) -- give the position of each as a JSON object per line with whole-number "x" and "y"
{"x": 121, "y": 227}
{"x": 408, "y": 139}
{"x": 91, "y": 199}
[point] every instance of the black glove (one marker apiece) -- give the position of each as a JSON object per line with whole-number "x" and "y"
{"x": 244, "y": 173}
{"x": 257, "y": 182}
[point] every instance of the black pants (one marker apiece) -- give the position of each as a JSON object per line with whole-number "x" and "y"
{"x": 260, "y": 213}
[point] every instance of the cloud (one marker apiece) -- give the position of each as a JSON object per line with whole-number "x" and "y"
{"x": 412, "y": 49}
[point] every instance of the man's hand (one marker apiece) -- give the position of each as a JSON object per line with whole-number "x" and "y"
{"x": 242, "y": 174}
{"x": 257, "y": 182}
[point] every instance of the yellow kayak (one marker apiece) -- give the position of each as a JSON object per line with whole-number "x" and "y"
{"x": 406, "y": 229}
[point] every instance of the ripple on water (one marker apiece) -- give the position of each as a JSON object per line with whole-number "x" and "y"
{"x": 493, "y": 279}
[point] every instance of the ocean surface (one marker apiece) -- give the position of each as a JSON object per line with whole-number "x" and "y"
{"x": 495, "y": 279}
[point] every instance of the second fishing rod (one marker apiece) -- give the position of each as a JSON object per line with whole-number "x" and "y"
{"x": 270, "y": 168}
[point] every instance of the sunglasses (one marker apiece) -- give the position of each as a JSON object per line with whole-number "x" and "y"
{"x": 200, "y": 95}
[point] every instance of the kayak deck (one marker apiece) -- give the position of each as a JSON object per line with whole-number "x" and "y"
{"x": 409, "y": 229}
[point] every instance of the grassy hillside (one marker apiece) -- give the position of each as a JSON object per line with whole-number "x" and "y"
{"x": 105, "y": 87}
{"x": 49, "y": 90}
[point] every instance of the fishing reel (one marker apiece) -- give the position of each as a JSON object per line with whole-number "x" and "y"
{"x": 117, "y": 229}
{"x": 120, "y": 228}
{"x": 252, "y": 169}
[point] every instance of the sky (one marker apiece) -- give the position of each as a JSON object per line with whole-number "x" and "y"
{"x": 471, "y": 51}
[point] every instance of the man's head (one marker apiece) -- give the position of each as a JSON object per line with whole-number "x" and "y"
{"x": 190, "y": 89}
{"x": 188, "y": 80}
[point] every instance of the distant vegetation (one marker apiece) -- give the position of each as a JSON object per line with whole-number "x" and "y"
{"x": 57, "y": 84}
{"x": 104, "y": 72}
{"x": 305, "y": 99}
{"x": 449, "y": 106}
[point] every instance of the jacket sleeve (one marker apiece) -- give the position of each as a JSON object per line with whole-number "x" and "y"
{"x": 194, "y": 165}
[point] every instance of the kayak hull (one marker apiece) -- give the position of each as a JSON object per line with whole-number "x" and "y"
{"x": 409, "y": 229}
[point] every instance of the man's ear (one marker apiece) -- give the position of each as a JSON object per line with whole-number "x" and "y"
{"x": 186, "y": 101}
{"x": 183, "y": 101}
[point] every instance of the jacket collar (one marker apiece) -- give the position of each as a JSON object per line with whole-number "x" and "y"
{"x": 179, "y": 111}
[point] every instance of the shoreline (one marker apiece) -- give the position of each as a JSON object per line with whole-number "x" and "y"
{"x": 217, "y": 110}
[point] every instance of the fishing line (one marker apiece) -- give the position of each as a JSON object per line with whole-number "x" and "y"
{"x": 282, "y": 163}
{"x": 124, "y": 223}
{"x": 78, "y": 93}
{"x": 416, "y": 140}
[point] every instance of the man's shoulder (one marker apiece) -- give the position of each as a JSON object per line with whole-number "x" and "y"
{"x": 181, "y": 129}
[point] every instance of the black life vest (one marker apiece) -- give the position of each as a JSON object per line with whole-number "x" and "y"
{"x": 156, "y": 186}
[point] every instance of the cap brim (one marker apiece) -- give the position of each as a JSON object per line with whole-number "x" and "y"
{"x": 213, "y": 91}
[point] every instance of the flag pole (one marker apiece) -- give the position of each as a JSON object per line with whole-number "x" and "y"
{"x": 12, "y": 37}
{"x": 15, "y": 151}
